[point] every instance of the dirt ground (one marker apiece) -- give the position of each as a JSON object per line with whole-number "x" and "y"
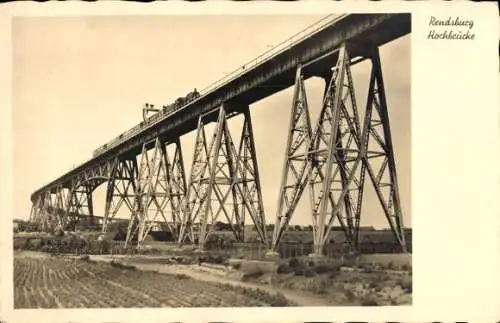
{"x": 373, "y": 280}
{"x": 370, "y": 281}
{"x": 214, "y": 273}
{"x": 42, "y": 281}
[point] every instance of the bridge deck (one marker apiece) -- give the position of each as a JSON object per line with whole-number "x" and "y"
{"x": 267, "y": 76}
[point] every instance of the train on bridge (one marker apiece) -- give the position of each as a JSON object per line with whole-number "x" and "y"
{"x": 165, "y": 111}
{"x": 334, "y": 43}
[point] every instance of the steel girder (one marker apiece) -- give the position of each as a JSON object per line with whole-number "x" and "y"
{"x": 160, "y": 190}
{"x": 218, "y": 172}
{"x": 79, "y": 197}
{"x": 334, "y": 158}
{"x": 61, "y": 206}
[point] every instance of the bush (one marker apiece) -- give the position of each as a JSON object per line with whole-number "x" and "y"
{"x": 309, "y": 273}
{"x": 252, "y": 274}
{"x": 59, "y": 232}
{"x": 277, "y": 299}
{"x": 332, "y": 274}
{"x": 319, "y": 288}
{"x": 284, "y": 269}
{"x": 211, "y": 259}
{"x": 21, "y": 243}
{"x": 406, "y": 284}
{"x": 323, "y": 269}
{"x": 299, "y": 272}
{"x": 294, "y": 262}
{"x": 35, "y": 244}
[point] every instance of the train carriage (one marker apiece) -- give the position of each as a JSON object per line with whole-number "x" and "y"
{"x": 165, "y": 110}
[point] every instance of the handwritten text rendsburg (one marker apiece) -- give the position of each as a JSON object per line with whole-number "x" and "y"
{"x": 455, "y": 28}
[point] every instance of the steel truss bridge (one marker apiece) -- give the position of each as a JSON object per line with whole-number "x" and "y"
{"x": 331, "y": 156}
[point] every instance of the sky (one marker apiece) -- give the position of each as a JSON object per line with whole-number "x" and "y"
{"x": 79, "y": 82}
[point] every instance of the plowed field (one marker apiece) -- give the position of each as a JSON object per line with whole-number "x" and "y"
{"x": 53, "y": 282}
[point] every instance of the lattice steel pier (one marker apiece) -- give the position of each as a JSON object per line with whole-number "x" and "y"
{"x": 334, "y": 158}
{"x": 331, "y": 158}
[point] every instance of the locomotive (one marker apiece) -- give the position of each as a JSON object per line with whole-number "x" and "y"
{"x": 180, "y": 102}
{"x": 167, "y": 109}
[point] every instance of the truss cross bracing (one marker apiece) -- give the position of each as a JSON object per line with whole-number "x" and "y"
{"x": 334, "y": 158}
{"x": 160, "y": 190}
{"x": 224, "y": 182}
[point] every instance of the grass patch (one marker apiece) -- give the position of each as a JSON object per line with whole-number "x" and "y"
{"x": 274, "y": 300}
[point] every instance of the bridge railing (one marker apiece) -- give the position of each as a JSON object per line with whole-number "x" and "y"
{"x": 273, "y": 51}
